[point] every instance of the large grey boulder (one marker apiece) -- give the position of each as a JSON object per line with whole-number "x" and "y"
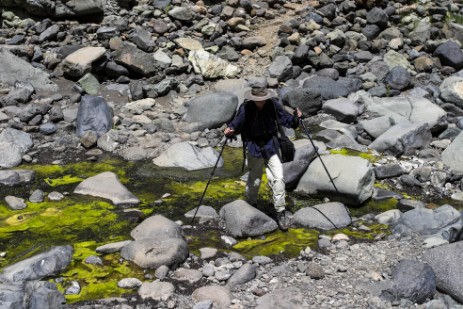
{"x": 188, "y": 156}
{"x": 290, "y": 297}
{"x": 20, "y": 94}
{"x": 211, "y": 66}
{"x": 21, "y": 139}
{"x": 326, "y": 86}
{"x": 403, "y": 138}
{"x": 309, "y": 101}
{"x": 43, "y": 294}
{"x": 16, "y": 69}
{"x": 323, "y": 216}
{"x": 39, "y": 266}
{"x": 343, "y": 109}
{"x": 281, "y": 68}
{"x": 136, "y": 60}
{"x": 412, "y": 280}
{"x": 212, "y": 110}
{"x": 376, "y": 126}
{"x": 106, "y": 185}
{"x": 80, "y": 62}
{"x": 444, "y": 222}
{"x": 450, "y": 54}
{"x": 445, "y": 260}
{"x": 154, "y": 252}
{"x": 155, "y": 226}
{"x": 32, "y": 294}
{"x": 452, "y": 157}
{"x": 293, "y": 171}
{"x": 406, "y": 109}
{"x": 10, "y": 155}
{"x": 157, "y": 290}
{"x": 220, "y": 296}
{"x": 243, "y": 220}
{"x": 94, "y": 114}
{"x": 158, "y": 241}
{"x": 353, "y": 177}
{"x": 398, "y": 78}
{"x": 452, "y": 90}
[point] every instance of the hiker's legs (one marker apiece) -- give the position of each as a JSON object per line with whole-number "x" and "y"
{"x": 276, "y": 182}
{"x": 255, "y": 166}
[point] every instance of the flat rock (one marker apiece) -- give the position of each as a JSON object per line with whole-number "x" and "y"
{"x": 106, "y": 185}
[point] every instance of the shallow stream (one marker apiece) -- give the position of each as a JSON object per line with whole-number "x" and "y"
{"x": 88, "y": 222}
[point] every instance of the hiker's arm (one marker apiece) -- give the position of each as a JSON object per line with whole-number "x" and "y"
{"x": 234, "y": 127}
{"x": 286, "y": 119}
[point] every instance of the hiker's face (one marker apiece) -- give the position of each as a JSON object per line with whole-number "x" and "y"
{"x": 260, "y": 104}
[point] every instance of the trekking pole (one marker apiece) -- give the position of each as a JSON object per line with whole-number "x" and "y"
{"x": 318, "y": 154}
{"x": 326, "y": 170}
{"x": 210, "y": 177}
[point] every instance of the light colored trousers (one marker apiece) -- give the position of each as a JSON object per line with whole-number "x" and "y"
{"x": 274, "y": 171}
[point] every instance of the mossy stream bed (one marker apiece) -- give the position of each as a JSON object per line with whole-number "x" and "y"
{"x": 87, "y": 222}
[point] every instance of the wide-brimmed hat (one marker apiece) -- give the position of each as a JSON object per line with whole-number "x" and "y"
{"x": 259, "y": 92}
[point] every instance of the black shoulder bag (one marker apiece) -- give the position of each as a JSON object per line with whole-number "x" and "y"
{"x": 285, "y": 146}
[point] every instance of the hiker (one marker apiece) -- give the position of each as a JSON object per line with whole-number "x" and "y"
{"x": 256, "y": 122}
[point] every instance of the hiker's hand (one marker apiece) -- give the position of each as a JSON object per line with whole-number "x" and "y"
{"x": 229, "y": 132}
{"x": 298, "y": 113}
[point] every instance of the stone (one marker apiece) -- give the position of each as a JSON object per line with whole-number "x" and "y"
{"x": 159, "y": 291}
{"x": 16, "y": 69}
{"x": 39, "y": 266}
{"x": 219, "y": 295}
{"x": 244, "y": 274}
{"x": 93, "y": 114}
{"x": 211, "y": 66}
{"x": 80, "y": 62}
{"x": 211, "y": 110}
{"x": 323, "y": 216}
{"x": 445, "y": 262}
{"x": 157, "y": 227}
{"x": 354, "y": 178}
{"x": 152, "y": 252}
{"x": 199, "y": 158}
{"x": 15, "y": 203}
{"x": 106, "y": 185}
{"x": 242, "y": 220}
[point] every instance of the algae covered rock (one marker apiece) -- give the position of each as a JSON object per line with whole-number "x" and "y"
{"x": 242, "y": 220}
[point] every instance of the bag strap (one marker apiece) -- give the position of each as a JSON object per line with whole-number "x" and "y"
{"x": 280, "y": 131}
{"x": 244, "y": 157}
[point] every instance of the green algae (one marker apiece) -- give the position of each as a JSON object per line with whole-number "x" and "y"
{"x": 82, "y": 169}
{"x": 353, "y": 232}
{"x": 97, "y": 281}
{"x": 372, "y": 206}
{"x": 288, "y": 244}
{"x": 354, "y": 153}
{"x": 65, "y": 180}
{"x": 86, "y": 222}
{"x": 41, "y": 225}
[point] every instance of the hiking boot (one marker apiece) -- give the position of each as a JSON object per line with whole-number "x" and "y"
{"x": 282, "y": 221}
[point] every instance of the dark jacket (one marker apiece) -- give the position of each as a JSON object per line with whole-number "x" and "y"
{"x": 258, "y": 127}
